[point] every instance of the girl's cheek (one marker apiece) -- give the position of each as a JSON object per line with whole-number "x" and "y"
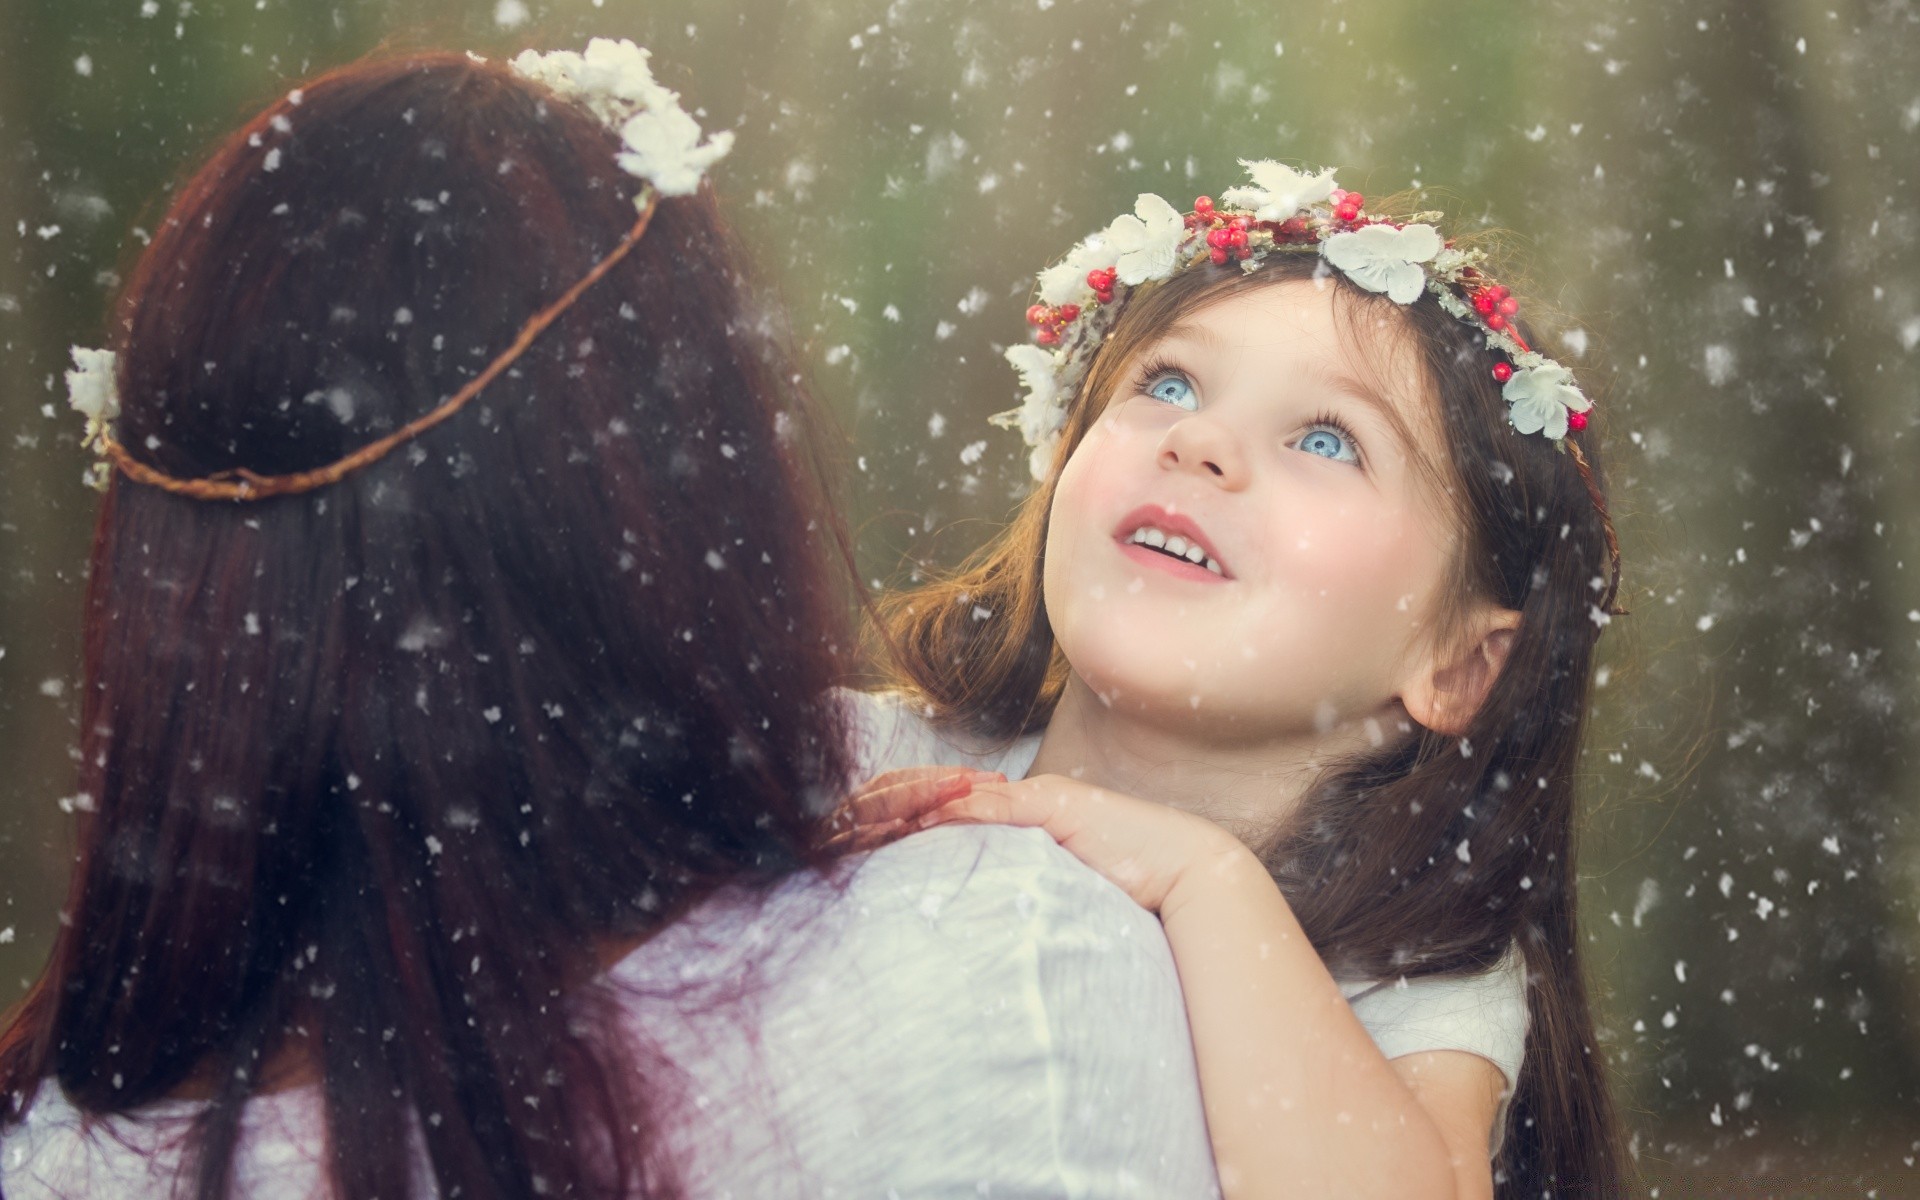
{"x": 1357, "y": 559}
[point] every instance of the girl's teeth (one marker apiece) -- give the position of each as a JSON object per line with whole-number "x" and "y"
{"x": 1179, "y": 547}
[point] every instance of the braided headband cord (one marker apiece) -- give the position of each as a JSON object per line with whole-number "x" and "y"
{"x": 241, "y": 484}
{"x": 1606, "y": 604}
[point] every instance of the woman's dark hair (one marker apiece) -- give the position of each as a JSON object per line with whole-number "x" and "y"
{"x": 1369, "y": 860}
{"x": 376, "y": 775}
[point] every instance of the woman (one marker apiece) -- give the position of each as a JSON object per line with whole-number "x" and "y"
{"x": 461, "y": 622}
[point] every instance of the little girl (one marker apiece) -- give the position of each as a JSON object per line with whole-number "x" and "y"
{"x": 1319, "y": 555}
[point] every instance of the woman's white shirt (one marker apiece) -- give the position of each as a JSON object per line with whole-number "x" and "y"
{"x": 967, "y": 1012}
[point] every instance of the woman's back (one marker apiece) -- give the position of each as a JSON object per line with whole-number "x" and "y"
{"x": 969, "y": 1008}
{"x": 382, "y": 750}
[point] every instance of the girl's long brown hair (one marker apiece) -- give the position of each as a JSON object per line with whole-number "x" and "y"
{"x": 377, "y": 773}
{"x": 1369, "y": 862}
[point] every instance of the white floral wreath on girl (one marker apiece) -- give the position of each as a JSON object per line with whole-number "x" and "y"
{"x": 1282, "y": 210}
{"x": 659, "y": 144}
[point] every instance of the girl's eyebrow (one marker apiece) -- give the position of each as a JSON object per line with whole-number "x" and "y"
{"x": 1388, "y": 412}
{"x": 1192, "y": 331}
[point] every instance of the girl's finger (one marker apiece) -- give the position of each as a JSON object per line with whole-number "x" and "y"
{"x": 1030, "y": 803}
{"x": 900, "y": 795}
{"x": 859, "y": 839}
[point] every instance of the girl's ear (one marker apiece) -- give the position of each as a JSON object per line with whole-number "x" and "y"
{"x": 1444, "y": 695}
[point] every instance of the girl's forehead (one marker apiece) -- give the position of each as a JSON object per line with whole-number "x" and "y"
{"x": 1322, "y": 333}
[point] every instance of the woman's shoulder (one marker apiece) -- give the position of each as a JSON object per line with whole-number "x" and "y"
{"x": 56, "y": 1152}
{"x": 971, "y": 987}
{"x": 905, "y": 916}
{"x": 891, "y": 729}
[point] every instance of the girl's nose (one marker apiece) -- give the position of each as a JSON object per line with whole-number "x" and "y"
{"x": 1206, "y": 447}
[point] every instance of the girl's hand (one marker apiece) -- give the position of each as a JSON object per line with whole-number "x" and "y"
{"x": 860, "y": 822}
{"x": 1150, "y": 850}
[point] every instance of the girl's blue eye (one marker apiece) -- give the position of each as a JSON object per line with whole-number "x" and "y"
{"x": 1173, "y": 388}
{"x": 1328, "y": 442}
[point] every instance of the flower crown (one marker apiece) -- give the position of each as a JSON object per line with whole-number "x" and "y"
{"x": 660, "y": 145}
{"x": 1282, "y": 210}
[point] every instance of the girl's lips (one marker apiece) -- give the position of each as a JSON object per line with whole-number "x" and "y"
{"x": 1167, "y": 528}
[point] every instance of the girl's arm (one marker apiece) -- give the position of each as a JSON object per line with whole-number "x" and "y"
{"x": 1299, "y": 1100}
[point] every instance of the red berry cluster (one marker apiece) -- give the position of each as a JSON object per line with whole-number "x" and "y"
{"x": 1226, "y": 236}
{"x": 1576, "y": 421}
{"x": 1347, "y": 205}
{"x": 1050, "y": 321}
{"x": 1496, "y": 306}
{"x": 1102, "y": 282}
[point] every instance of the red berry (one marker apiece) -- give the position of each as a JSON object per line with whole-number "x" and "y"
{"x": 1048, "y": 337}
{"x": 1203, "y": 205}
{"x": 1338, "y": 194}
{"x": 1104, "y": 295}
{"x": 1499, "y": 291}
{"x": 1353, "y": 200}
{"x": 1243, "y": 253}
{"x": 1236, "y": 238}
{"x": 1216, "y": 238}
{"x": 1100, "y": 280}
{"x": 1037, "y": 315}
{"x": 1509, "y": 305}
{"x": 1496, "y": 321}
{"x": 1240, "y": 223}
{"x": 1067, "y": 312}
{"x": 1503, "y": 371}
{"x": 1484, "y": 303}
{"x": 1576, "y": 421}
{"x": 1218, "y": 254}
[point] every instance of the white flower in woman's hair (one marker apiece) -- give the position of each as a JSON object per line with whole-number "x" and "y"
{"x": 663, "y": 145}
{"x": 1539, "y": 399}
{"x": 91, "y": 389}
{"x": 1147, "y": 240}
{"x": 1278, "y": 190}
{"x": 613, "y": 82}
{"x": 1382, "y": 258}
{"x": 1066, "y": 280}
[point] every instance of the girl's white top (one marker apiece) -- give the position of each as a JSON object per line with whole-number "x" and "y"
{"x": 967, "y": 1012}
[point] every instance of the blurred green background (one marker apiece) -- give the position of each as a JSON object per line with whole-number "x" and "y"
{"x": 1720, "y": 195}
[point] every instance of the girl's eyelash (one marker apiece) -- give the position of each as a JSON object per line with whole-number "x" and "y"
{"x": 1155, "y": 367}
{"x": 1344, "y": 430}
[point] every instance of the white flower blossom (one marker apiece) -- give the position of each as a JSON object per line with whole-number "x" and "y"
{"x": 613, "y": 82}
{"x": 1278, "y": 191}
{"x": 91, "y": 389}
{"x": 1040, "y": 458}
{"x": 663, "y": 146}
{"x": 1147, "y": 240}
{"x": 1381, "y": 258}
{"x": 1540, "y": 397}
{"x": 1066, "y": 280}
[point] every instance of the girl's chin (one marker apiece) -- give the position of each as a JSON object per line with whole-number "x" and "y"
{"x": 1168, "y": 694}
